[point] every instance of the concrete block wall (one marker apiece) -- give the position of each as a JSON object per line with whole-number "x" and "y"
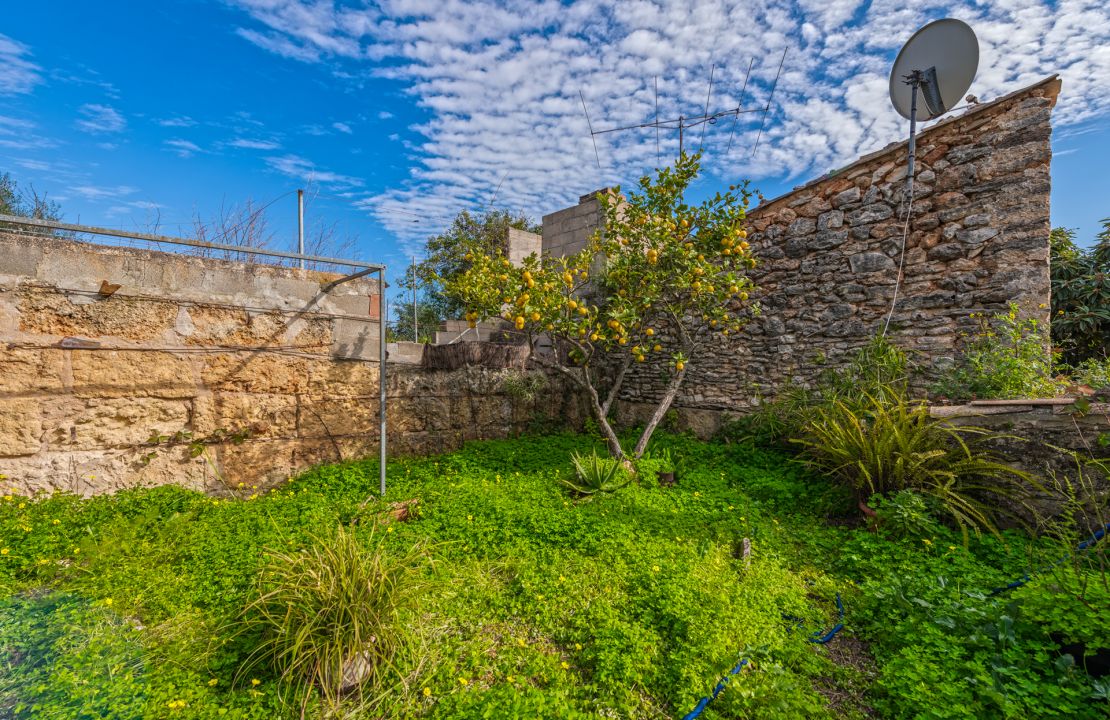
{"x": 566, "y": 231}
{"x": 520, "y": 244}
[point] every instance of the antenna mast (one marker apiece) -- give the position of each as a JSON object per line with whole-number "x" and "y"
{"x": 683, "y": 123}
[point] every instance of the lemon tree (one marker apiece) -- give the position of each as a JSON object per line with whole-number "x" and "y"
{"x": 653, "y": 286}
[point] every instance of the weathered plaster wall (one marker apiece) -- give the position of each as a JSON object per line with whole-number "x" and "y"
{"x": 829, "y": 253}
{"x": 252, "y": 362}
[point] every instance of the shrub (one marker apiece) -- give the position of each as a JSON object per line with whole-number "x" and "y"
{"x": 1093, "y": 372}
{"x": 1008, "y": 356}
{"x": 884, "y": 447}
{"x": 328, "y": 618}
{"x": 904, "y": 514}
{"x": 1081, "y": 295}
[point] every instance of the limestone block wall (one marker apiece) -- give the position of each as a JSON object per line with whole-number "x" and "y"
{"x": 829, "y": 254}
{"x": 205, "y": 373}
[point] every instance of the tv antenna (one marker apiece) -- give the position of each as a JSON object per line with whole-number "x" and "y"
{"x": 684, "y": 123}
{"x": 938, "y": 62}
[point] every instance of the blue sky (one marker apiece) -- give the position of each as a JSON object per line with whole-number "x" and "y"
{"x": 397, "y": 115}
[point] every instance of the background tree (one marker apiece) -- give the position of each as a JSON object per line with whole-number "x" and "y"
{"x": 671, "y": 277}
{"x": 1081, "y": 296}
{"x": 427, "y": 318}
{"x": 483, "y": 233}
{"x": 26, "y": 202}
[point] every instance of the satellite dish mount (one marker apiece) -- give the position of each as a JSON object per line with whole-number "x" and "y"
{"x": 939, "y": 63}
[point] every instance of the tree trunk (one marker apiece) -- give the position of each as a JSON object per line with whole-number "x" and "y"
{"x": 611, "y": 439}
{"x": 660, "y": 411}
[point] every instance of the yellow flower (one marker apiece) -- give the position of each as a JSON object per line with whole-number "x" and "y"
{"x": 562, "y": 579}
{"x": 520, "y": 642}
{"x": 577, "y": 646}
{"x": 565, "y": 665}
{"x": 56, "y": 521}
{"x": 255, "y": 682}
{"x": 22, "y": 505}
{"x": 107, "y": 601}
{"x": 469, "y": 517}
{"x": 655, "y": 568}
{"x": 213, "y": 682}
{"x": 951, "y": 547}
{"x": 389, "y": 529}
{"x": 427, "y": 691}
{"x": 463, "y": 681}
{"x": 5, "y": 551}
{"x": 510, "y": 679}
{"x": 927, "y": 541}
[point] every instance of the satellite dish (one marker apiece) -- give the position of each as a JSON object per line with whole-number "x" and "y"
{"x": 940, "y": 60}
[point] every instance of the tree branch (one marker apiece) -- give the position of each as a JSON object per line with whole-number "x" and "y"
{"x": 616, "y": 386}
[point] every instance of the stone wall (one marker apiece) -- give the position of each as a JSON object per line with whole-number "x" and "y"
{"x": 829, "y": 253}
{"x": 207, "y": 373}
{"x": 1033, "y": 432}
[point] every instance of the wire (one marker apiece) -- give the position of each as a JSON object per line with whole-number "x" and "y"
{"x": 736, "y": 117}
{"x": 591, "y": 126}
{"x": 705, "y": 113}
{"x": 767, "y": 109}
{"x": 658, "y": 156}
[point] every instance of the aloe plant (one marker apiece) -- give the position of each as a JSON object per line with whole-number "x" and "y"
{"x": 595, "y": 474}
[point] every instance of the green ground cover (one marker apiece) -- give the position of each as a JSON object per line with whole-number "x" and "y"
{"x": 537, "y": 604}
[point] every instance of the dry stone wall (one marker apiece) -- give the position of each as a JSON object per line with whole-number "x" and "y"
{"x": 208, "y": 373}
{"x": 829, "y": 254}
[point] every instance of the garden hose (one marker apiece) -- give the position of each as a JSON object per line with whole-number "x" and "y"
{"x": 1085, "y": 545}
{"x": 818, "y": 637}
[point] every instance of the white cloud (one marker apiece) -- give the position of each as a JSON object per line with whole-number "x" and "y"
{"x": 500, "y": 81}
{"x": 342, "y": 127}
{"x": 100, "y": 119}
{"x": 252, "y": 144}
{"x": 32, "y": 164}
{"x": 183, "y": 148}
{"x": 178, "y": 122}
{"x": 99, "y": 193}
{"x": 384, "y": 115}
{"x": 18, "y": 75}
{"x": 300, "y": 168}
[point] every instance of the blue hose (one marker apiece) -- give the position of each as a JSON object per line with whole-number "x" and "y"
{"x": 823, "y": 638}
{"x": 1089, "y": 542}
{"x": 817, "y": 637}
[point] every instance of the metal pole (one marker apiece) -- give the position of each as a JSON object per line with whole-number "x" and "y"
{"x": 300, "y": 225}
{"x": 915, "y": 81}
{"x": 680, "y": 119}
{"x": 381, "y": 375}
{"x": 415, "y": 325}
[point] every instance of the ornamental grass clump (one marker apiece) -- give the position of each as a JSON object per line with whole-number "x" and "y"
{"x": 328, "y": 619}
{"x": 884, "y": 446}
